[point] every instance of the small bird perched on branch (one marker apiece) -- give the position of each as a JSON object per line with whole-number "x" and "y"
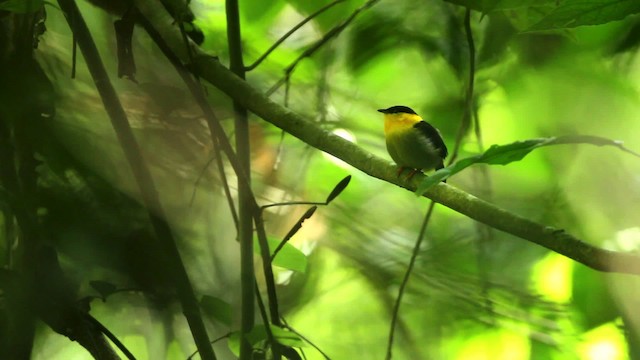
{"x": 412, "y": 142}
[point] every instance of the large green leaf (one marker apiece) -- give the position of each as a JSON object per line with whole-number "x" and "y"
{"x": 256, "y": 10}
{"x": 289, "y": 257}
{"x": 216, "y": 308}
{"x": 545, "y": 15}
{"x": 505, "y": 154}
{"x": 572, "y": 13}
{"x": 486, "y": 6}
{"x": 259, "y": 334}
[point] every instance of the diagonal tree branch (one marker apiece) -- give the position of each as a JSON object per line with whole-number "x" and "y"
{"x": 210, "y": 69}
{"x": 551, "y": 238}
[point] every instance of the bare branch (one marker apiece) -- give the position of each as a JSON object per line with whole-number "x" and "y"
{"x": 289, "y": 33}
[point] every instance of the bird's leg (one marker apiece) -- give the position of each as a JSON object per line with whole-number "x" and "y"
{"x": 412, "y": 173}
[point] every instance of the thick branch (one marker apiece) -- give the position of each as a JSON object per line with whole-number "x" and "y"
{"x": 551, "y": 238}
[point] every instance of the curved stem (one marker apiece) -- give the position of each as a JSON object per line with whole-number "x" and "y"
{"x": 405, "y": 279}
{"x": 315, "y": 47}
{"x": 468, "y": 101}
{"x": 289, "y": 33}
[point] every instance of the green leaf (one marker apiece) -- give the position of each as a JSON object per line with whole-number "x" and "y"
{"x": 487, "y": 6}
{"x": 505, "y": 154}
{"x": 545, "y": 15}
{"x": 500, "y": 31}
{"x": 290, "y": 354}
{"x": 259, "y": 334}
{"x": 294, "y": 229}
{"x": 338, "y": 189}
{"x": 216, "y": 308}
{"x": 234, "y": 343}
{"x": 258, "y": 9}
{"x": 572, "y": 13}
{"x": 21, "y": 6}
{"x": 327, "y": 19}
{"x": 286, "y": 337}
{"x": 480, "y": 5}
{"x": 289, "y": 257}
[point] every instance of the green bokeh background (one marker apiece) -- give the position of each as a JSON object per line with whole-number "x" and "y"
{"x": 475, "y": 293}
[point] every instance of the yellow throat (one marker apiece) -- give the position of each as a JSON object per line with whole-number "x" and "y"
{"x": 399, "y": 122}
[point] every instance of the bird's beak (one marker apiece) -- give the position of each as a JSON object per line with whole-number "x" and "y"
{"x": 381, "y": 110}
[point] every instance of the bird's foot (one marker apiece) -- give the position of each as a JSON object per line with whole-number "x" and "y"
{"x": 412, "y": 173}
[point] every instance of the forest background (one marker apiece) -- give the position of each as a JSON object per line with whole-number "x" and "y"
{"x": 138, "y": 207}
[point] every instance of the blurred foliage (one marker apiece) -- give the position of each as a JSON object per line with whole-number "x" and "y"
{"x": 474, "y": 294}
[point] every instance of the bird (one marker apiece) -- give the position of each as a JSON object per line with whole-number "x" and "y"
{"x": 412, "y": 142}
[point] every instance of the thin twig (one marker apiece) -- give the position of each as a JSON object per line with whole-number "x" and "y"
{"x": 103, "y": 329}
{"x": 294, "y": 203}
{"x": 315, "y": 47}
{"x": 265, "y": 318}
{"x": 288, "y": 327}
{"x": 468, "y": 108}
{"x": 296, "y": 227}
{"x": 223, "y": 179}
{"x": 211, "y": 342}
{"x": 197, "y": 182}
{"x": 405, "y": 279}
{"x": 267, "y": 268}
{"x": 290, "y": 32}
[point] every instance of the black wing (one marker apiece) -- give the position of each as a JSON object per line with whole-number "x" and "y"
{"x": 434, "y": 135}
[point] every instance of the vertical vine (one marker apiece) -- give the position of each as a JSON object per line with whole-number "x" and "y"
{"x": 245, "y": 215}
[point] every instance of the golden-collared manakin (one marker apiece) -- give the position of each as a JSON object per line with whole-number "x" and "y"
{"x": 412, "y": 142}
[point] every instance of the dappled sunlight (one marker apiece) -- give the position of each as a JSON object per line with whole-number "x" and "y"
{"x": 136, "y": 209}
